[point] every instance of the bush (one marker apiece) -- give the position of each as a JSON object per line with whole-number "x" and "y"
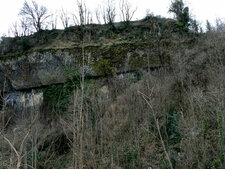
{"x": 181, "y": 13}
{"x": 24, "y": 44}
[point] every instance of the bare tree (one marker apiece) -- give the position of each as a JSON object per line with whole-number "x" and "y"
{"x": 3, "y": 99}
{"x": 109, "y": 12}
{"x": 149, "y": 100}
{"x": 25, "y": 30}
{"x": 64, "y": 18}
{"x": 98, "y": 15}
{"x": 35, "y": 14}
{"x": 53, "y": 21}
{"x": 83, "y": 17}
{"x": 20, "y": 28}
{"x": 82, "y": 11}
{"x": 126, "y": 10}
{"x": 15, "y": 29}
{"x": 208, "y": 26}
{"x": 18, "y": 151}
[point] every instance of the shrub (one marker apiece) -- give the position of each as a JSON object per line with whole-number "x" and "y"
{"x": 181, "y": 13}
{"x": 24, "y": 44}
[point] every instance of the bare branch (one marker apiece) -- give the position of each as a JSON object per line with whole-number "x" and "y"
{"x": 35, "y": 14}
{"x": 53, "y": 21}
{"x": 97, "y": 15}
{"x": 64, "y": 18}
{"x": 10, "y": 144}
{"x": 148, "y": 100}
{"x": 20, "y": 151}
{"x": 126, "y": 10}
{"x": 109, "y": 12}
{"x": 15, "y": 29}
{"x": 83, "y": 15}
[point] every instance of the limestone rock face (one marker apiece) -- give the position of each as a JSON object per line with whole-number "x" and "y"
{"x": 35, "y": 70}
{"x": 23, "y": 103}
{"x": 22, "y": 75}
{"x": 42, "y": 68}
{"x": 45, "y": 58}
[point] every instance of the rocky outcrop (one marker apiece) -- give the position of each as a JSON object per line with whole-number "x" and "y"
{"x": 22, "y": 74}
{"x": 22, "y": 104}
{"x": 41, "y": 68}
{"x": 35, "y": 70}
{"x": 50, "y": 57}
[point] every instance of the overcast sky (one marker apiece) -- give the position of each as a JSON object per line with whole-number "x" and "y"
{"x": 200, "y": 9}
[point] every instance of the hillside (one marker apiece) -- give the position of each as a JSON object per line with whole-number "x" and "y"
{"x": 144, "y": 95}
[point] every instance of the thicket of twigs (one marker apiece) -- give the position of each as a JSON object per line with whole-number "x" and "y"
{"x": 167, "y": 118}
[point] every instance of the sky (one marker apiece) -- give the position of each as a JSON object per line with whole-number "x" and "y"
{"x": 201, "y": 10}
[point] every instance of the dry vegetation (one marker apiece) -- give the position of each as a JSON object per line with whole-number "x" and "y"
{"x": 166, "y": 118}
{"x": 170, "y": 117}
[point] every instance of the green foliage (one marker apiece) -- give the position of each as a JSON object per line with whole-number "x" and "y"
{"x": 221, "y": 135}
{"x": 24, "y": 43}
{"x": 57, "y": 96}
{"x": 136, "y": 77}
{"x": 174, "y": 136}
{"x": 172, "y": 128}
{"x": 104, "y": 67}
{"x": 110, "y": 34}
{"x": 216, "y": 163}
{"x": 93, "y": 119}
{"x": 129, "y": 159}
{"x": 40, "y": 158}
{"x": 63, "y": 161}
{"x": 181, "y": 13}
{"x": 208, "y": 26}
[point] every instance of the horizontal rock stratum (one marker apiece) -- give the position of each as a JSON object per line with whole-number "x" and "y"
{"x": 31, "y": 63}
{"x": 46, "y": 57}
{"x": 51, "y": 66}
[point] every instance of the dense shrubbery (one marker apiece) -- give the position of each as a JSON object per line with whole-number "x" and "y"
{"x": 24, "y": 44}
{"x": 134, "y": 120}
{"x": 118, "y": 128}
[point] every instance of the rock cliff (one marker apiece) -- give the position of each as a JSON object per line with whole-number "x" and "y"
{"x": 47, "y": 58}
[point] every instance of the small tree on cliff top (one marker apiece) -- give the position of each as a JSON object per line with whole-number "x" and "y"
{"x": 34, "y": 14}
{"x": 181, "y": 13}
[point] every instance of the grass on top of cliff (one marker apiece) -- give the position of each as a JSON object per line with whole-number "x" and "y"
{"x": 92, "y": 34}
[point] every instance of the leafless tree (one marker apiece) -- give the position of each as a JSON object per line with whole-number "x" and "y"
{"x": 148, "y": 100}
{"x": 83, "y": 16}
{"x": 64, "y": 18}
{"x": 109, "y": 12}
{"x": 2, "y": 113}
{"x": 53, "y": 21}
{"x": 98, "y": 15}
{"x": 25, "y": 30}
{"x": 15, "y": 29}
{"x": 20, "y": 150}
{"x": 20, "y": 28}
{"x": 35, "y": 14}
{"x": 126, "y": 10}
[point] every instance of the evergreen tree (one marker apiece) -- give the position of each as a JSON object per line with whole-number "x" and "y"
{"x": 208, "y": 26}
{"x": 181, "y": 13}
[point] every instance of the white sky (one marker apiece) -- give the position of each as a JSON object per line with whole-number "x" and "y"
{"x": 200, "y": 9}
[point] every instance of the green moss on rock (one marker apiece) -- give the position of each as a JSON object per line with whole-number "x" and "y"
{"x": 103, "y": 68}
